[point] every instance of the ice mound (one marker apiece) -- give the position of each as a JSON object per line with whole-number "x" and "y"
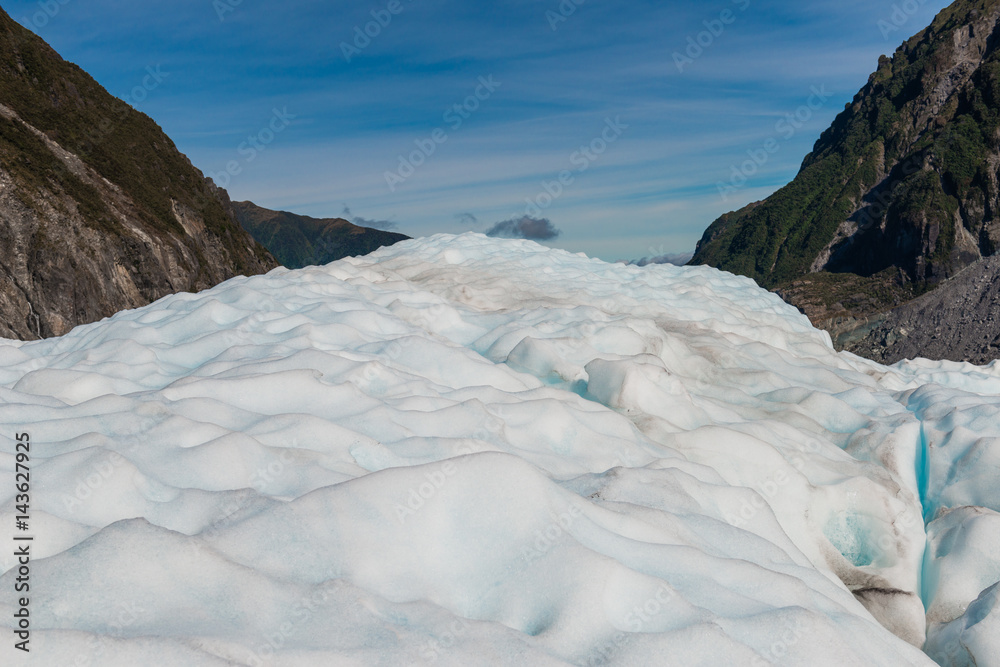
{"x": 472, "y": 451}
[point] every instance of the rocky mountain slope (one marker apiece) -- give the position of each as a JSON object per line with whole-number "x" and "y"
{"x": 960, "y": 321}
{"x": 298, "y": 240}
{"x": 99, "y": 211}
{"x": 898, "y": 195}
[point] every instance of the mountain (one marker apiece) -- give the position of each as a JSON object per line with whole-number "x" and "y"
{"x": 298, "y": 240}
{"x": 471, "y": 451}
{"x": 898, "y": 196}
{"x": 99, "y": 211}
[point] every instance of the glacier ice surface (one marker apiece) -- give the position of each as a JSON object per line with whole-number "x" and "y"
{"x": 473, "y": 451}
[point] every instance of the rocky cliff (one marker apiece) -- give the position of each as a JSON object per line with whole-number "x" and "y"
{"x": 898, "y": 196}
{"x": 99, "y": 211}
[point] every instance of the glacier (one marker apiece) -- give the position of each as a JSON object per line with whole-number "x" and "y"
{"x": 462, "y": 450}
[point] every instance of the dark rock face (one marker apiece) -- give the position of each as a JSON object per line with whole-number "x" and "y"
{"x": 960, "y": 321}
{"x": 298, "y": 240}
{"x": 899, "y": 195}
{"x": 99, "y": 211}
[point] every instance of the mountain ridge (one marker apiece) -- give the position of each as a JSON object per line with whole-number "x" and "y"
{"x": 99, "y": 211}
{"x": 300, "y": 240}
{"x": 899, "y": 195}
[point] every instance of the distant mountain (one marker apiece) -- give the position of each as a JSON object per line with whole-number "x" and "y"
{"x": 298, "y": 240}
{"x": 898, "y": 195}
{"x": 99, "y": 211}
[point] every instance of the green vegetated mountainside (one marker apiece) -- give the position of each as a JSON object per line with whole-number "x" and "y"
{"x": 99, "y": 211}
{"x": 899, "y": 195}
{"x": 298, "y": 240}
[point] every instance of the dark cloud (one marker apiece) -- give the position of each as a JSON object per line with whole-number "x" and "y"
{"x": 384, "y": 225}
{"x": 679, "y": 260}
{"x": 467, "y": 220}
{"x": 533, "y": 229}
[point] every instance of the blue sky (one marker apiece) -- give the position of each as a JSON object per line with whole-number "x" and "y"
{"x": 591, "y": 92}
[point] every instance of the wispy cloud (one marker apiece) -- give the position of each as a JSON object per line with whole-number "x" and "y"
{"x": 686, "y": 129}
{"x": 385, "y": 225}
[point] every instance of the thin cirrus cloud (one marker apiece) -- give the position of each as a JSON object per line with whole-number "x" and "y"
{"x": 651, "y": 193}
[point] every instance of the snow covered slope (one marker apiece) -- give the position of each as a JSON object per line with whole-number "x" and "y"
{"x": 472, "y": 451}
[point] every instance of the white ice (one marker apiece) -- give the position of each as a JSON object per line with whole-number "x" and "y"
{"x": 472, "y": 451}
